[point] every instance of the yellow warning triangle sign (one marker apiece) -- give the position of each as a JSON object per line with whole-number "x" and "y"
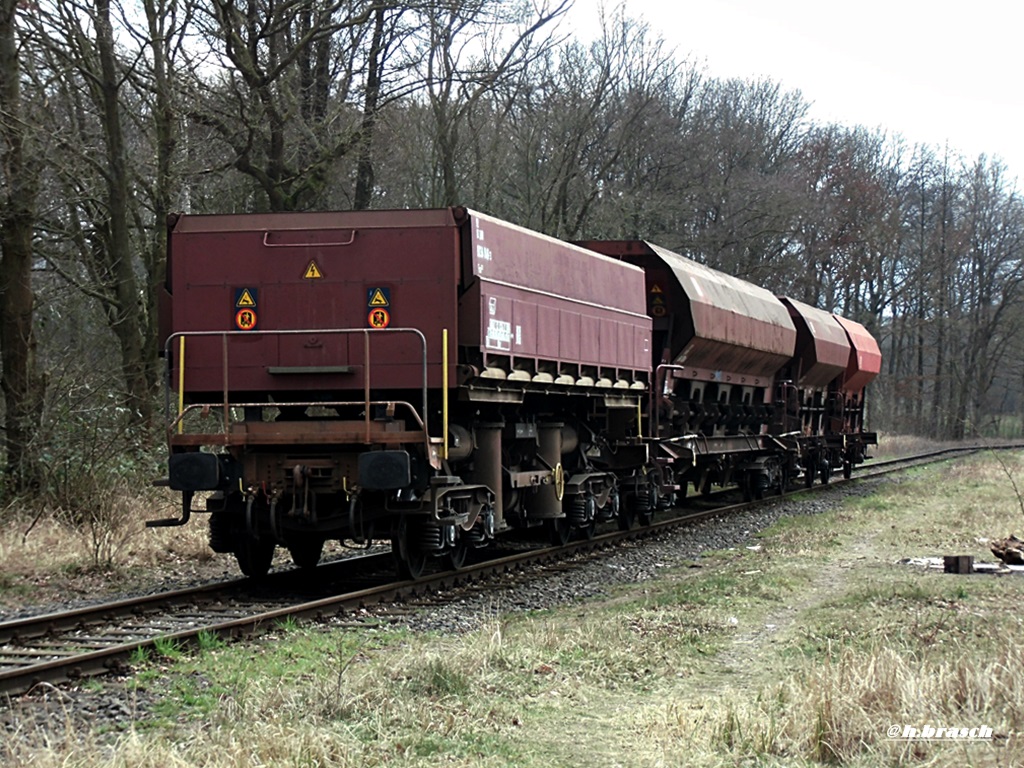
{"x": 656, "y": 288}
{"x": 378, "y": 299}
{"x": 313, "y": 272}
{"x": 246, "y": 299}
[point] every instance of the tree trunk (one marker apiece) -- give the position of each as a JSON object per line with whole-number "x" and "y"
{"x": 126, "y": 317}
{"x": 20, "y": 382}
{"x": 364, "y": 168}
{"x": 165, "y": 132}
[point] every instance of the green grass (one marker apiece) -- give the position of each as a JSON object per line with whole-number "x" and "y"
{"x": 209, "y": 641}
{"x": 168, "y": 648}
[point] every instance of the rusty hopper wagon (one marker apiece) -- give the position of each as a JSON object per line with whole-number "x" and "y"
{"x": 822, "y": 390}
{"x": 719, "y": 343}
{"x": 434, "y": 377}
{"x": 865, "y": 364}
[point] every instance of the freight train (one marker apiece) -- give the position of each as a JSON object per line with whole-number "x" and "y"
{"x": 441, "y": 377}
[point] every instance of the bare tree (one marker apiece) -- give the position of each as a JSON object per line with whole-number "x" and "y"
{"x": 384, "y": 40}
{"x": 79, "y": 42}
{"x": 468, "y": 49}
{"x": 159, "y": 82}
{"x": 597, "y": 140}
{"x": 989, "y": 282}
{"x": 281, "y": 98}
{"x": 745, "y": 194}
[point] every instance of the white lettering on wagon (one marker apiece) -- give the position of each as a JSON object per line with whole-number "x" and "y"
{"x": 499, "y": 335}
{"x": 484, "y": 255}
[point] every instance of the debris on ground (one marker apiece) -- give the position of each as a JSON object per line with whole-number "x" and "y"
{"x": 1010, "y": 550}
{"x": 939, "y": 564}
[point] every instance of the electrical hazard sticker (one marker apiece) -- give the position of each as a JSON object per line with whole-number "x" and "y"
{"x": 312, "y": 271}
{"x": 378, "y": 297}
{"x": 245, "y": 319}
{"x": 379, "y": 318}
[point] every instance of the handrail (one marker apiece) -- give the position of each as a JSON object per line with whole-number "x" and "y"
{"x": 226, "y": 335}
{"x": 268, "y": 244}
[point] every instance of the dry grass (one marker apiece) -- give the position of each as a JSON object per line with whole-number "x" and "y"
{"x": 54, "y": 554}
{"x": 837, "y": 711}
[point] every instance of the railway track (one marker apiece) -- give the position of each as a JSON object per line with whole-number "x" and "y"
{"x": 99, "y": 639}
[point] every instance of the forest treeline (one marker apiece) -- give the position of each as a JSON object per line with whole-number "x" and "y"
{"x": 114, "y": 113}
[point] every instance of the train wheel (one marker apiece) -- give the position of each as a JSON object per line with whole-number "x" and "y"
{"x": 221, "y": 532}
{"x": 455, "y": 558}
{"x": 410, "y": 559}
{"x": 613, "y": 506}
{"x": 588, "y": 530}
{"x": 826, "y": 473}
{"x": 783, "y": 481}
{"x": 809, "y": 472}
{"x": 254, "y": 555}
{"x": 847, "y": 469}
{"x": 558, "y": 530}
{"x": 645, "y": 503}
{"x": 306, "y": 551}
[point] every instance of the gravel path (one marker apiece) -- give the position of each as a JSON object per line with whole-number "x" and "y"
{"x": 592, "y": 575}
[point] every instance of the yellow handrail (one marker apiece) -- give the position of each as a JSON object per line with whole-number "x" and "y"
{"x": 181, "y": 383}
{"x": 444, "y": 389}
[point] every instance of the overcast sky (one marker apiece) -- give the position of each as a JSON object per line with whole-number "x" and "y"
{"x": 933, "y": 71}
